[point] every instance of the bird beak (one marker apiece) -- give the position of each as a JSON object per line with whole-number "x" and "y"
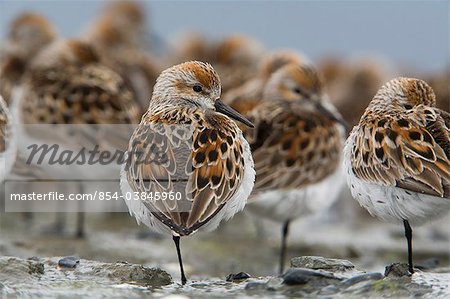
{"x": 333, "y": 116}
{"x": 228, "y": 111}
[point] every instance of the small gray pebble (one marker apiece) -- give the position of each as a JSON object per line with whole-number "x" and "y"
{"x": 68, "y": 262}
{"x": 295, "y": 276}
{"x": 238, "y": 276}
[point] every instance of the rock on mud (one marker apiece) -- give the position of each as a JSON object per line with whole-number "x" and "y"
{"x": 51, "y": 277}
{"x": 13, "y": 269}
{"x": 131, "y": 273}
{"x": 318, "y": 262}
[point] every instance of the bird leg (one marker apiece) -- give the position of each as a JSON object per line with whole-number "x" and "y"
{"x": 176, "y": 240}
{"x": 284, "y": 233}
{"x": 408, "y": 235}
{"x": 80, "y": 216}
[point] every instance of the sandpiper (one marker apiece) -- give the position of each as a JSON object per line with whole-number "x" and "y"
{"x": 207, "y": 165}
{"x": 28, "y": 34}
{"x": 296, "y": 146}
{"x": 248, "y": 95}
{"x": 66, "y": 83}
{"x": 397, "y": 157}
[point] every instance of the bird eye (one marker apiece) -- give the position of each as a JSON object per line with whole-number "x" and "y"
{"x": 407, "y": 106}
{"x": 197, "y": 88}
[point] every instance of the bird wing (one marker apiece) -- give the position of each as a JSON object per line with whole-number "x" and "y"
{"x": 412, "y": 152}
{"x": 72, "y": 95}
{"x": 291, "y": 147}
{"x": 87, "y": 97}
{"x": 203, "y": 161}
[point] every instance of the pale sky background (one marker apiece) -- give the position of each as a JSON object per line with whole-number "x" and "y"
{"x": 411, "y": 33}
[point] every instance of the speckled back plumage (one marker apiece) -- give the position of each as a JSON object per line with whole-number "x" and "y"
{"x": 292, "y": 147}
{"x": 74, "y": 87}
{"x": 213, "y": 169}
{"x": 207, "y": 159}
{"x": 403, "y": 141}
{"x": 293, "y": 144}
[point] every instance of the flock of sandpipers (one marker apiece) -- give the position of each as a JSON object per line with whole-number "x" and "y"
{"x": 234, "y": 124}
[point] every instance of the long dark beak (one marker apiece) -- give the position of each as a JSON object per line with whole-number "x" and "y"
{"x": 337, "y": 118}
{"x": 228, "y": 111}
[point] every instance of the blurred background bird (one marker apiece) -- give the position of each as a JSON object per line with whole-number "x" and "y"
{"x": 120, "y": 35}
{"x": 352, "y": 83}
{"x": 246, "y": 96}
{"x": 236, "y": 58}
{"x": 440, "y": 82}
{"x": 126, "y": 44}
{"x": 296, "y": 145}
{"x": 28, "y": 34}
{"x": 66, "y": 84}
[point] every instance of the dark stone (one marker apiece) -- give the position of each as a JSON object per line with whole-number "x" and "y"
{"x": 363, "y": 277}
{"x": 397, "y": 270}
{"x": 238, "y": 276}
{"x": 296, "y": 276}
{"x": 69, "y": 262}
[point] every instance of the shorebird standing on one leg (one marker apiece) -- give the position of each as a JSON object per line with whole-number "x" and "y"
{"x": 398, "y": 157}
{"x": 204, "y": 172}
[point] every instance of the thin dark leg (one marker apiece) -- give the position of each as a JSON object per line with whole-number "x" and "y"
{"x": 284, "y": 233}
{"x": 176, "y": 239}
{"x": 80, "y": 216}
{"x": 408, "y": 235}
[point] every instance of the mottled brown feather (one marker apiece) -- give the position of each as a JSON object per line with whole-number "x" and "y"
{"x": 92, "y": 94}
{"x": 292, "y": 146}
{"x": 404, "y": 147}
{"x": 208, "y": 175}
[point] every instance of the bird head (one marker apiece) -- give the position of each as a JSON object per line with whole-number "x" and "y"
{"x": 192, "y": 84}
{"x": 303, "y": 84}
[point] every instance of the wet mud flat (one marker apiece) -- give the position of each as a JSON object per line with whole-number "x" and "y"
{"x": 309, "y": 277}
{"x": 119, "y": 259}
